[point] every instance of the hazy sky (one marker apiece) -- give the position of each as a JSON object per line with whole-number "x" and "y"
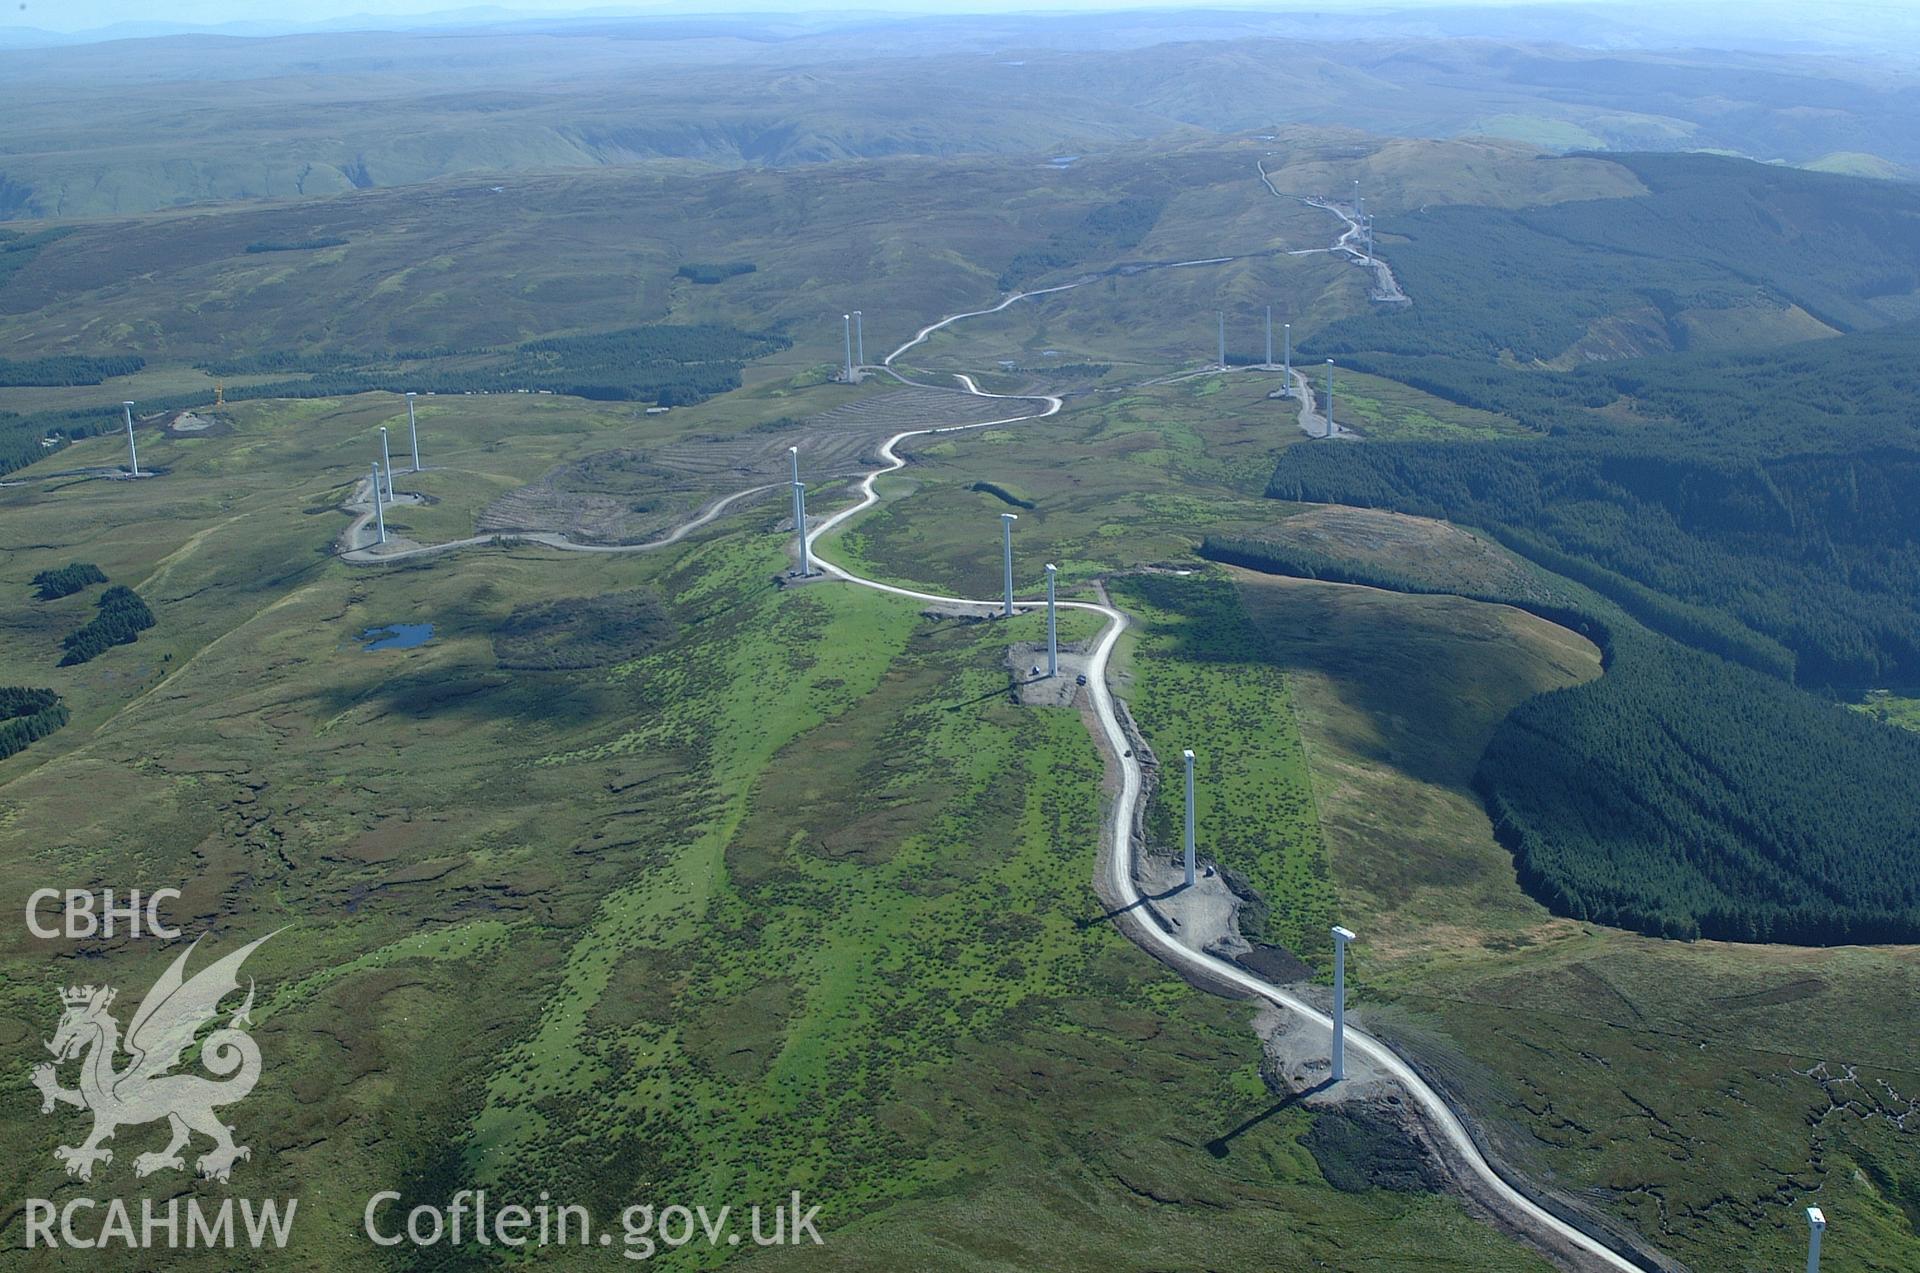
{"x": 86, "y": 15}
{"x": 1862, "y": 23}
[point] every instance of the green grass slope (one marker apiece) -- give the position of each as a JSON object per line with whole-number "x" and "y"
{"x": 790, "y": 875}
{"x": 1699, "y": 1091}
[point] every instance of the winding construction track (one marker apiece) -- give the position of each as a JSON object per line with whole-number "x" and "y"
{"x": 1117, "y": 850}
{"x": 1386, "y": 288}
{"x": 1117, "y": 847}
{"x": 356, "y": 548}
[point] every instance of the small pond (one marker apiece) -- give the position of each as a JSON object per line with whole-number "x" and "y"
{"x": 397, "y": 636}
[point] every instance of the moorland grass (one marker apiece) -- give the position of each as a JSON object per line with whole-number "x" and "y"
{"x": 1673, "y": 1082}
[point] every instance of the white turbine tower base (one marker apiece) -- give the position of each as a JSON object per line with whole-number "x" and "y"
{"x": 799, "y": 515}
{"x": 1006, "y": 552}
{"x": 1053, "y": 628}
{"x": 800, "y": 526}
{"x": 1189, "y": 862}
{"x": 379, "y": 513}
{"x": 133, "y": 456}
{"x": 1341, "y": 937}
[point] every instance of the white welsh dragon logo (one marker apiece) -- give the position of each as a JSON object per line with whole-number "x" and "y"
{"x": 144, "y": 1091}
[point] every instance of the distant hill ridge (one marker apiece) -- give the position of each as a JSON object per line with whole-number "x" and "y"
{"x": 402, "y": 111}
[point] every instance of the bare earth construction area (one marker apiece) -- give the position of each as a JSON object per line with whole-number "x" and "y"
{"x": 630, "y": 496}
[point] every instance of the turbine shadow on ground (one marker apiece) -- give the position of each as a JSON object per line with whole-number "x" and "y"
{"x": 1220, "y": 1146}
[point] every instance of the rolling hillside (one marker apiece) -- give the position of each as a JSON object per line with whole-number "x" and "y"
{"x": 1719, "y": 253}
{"x": 457, "y": 284}
{"x": 1726, "y": 524}
{"x": 184, "y": 121}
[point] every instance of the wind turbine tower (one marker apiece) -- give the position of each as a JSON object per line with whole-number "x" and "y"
{"x": 386, "y": 461}
{"x": 133, "y": 456}
{"x": 846, "y": 322}
{"x": 1006, "y": 551}
{"x": 1188, "y": 757}
{"x": 1341, "y": 937}
{"x": 413, "y": 432}
{"x": 859, "y": 342}
{"x": 379, "y": 514}
{"x": 1287, "y": 387}
{"x": 800, "y": 514}
{"x": 1816, "y": 1225}
{"x": 1223, "y": 340}
{"x": 1053, "y": 629}
{"x": 800, "y": 526}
